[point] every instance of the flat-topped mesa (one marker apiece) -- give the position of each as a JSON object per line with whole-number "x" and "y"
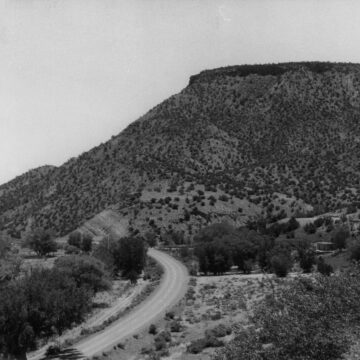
{"x": 270, "y": 69}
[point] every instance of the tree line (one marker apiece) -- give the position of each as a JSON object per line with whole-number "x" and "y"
{"x": 218, "y": 247}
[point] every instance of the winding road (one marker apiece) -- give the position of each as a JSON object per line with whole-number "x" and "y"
{"x": 171, "y": 289}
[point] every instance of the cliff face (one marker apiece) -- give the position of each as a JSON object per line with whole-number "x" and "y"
{"x": 250, "y": 132}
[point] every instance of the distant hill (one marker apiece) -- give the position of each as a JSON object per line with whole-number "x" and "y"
{"x": 273, "y": 140}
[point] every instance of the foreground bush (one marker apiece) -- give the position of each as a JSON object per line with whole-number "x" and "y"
{"x": 307, "y": 319}
{"x": 197, "y": 346}
{"x": 281, "y": 264}
{"x": 220, "y": 330}
{"x": 85, "y": 270}
{"x": 39, "y": 305}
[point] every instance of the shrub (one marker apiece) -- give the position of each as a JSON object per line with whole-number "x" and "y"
{"x": 197, "y": 346}
{"x": 223, "y": 197}
{"x": 161, "y": 340}
{"x": 53, "y": 350}
{"x": 169, "y": 315}
{"x": 175, "y": 326}
{"x": 216, "y": 316}
{"x": 281, "y": 264}
{"x": 212, "y": 341}
{"x": 152, "y": 329}
{"x": 310, "y": 228}
{"x": 220, "y": 330}
{"x": 355, "y": 252}
{"x": 320, "y": 316}
{"x": 70, "y": 249}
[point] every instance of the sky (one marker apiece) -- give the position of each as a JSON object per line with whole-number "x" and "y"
{"x": 75, "y": 72}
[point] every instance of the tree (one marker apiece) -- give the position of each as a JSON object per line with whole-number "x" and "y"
{"x": 214, "y": 257}
{"x": 310, "y": 228}
{"x": 86, "y": 243}
{"x": 292, "y": 224}
{"x": 355, "y": 252}
{"x": 85, "y": 270}
{"x": 5, "y": 247}
{"x": 244, "y": 245}
{"x": 81, "y": 241}
{"x": 129, "y": 255}
{"x": 339, "y": 238}
{"x": 323, "y": 267}
{"x": 74, "y": 239}
{"x": 214, "y": 232}
{"x": 42, "y": 242}
{"x": 150, "y": 238}
{"x": 281, "y": 264}
{"x": 265, "y": 247}
{"x": 306, "y": 259}
{"x": 10, "y": 261}
{"x": 104, "y": 252}
{"x": 42, "y": 303}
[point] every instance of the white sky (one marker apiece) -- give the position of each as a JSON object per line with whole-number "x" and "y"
{"x": 75, "y": 72}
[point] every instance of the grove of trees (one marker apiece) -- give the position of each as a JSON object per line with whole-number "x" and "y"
{"x": 125, "y": 255}
{"x": 45, "y": 302}
{"x": 220, "y": 246}
{"x": 80, "y": 241}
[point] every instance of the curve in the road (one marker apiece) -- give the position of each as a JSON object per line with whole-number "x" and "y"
{"x": 171, "y": 289}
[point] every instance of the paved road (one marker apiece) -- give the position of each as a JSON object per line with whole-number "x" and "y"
{"x": 171, "y": 290}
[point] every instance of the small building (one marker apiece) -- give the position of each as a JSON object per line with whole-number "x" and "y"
{"x": 323, "y": 246}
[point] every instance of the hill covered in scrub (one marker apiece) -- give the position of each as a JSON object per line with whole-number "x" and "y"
{"x": 239, "y": 141}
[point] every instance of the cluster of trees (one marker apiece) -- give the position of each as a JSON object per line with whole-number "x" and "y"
{"x": 307, "y": 318}
{"x": 10, "y": 261}
{"x": 218, "y": 247}
{"x": 41, "y": 241}
{"x": 125, "y": 255}
{"x": 78, "y": 241}
{"x": 282, "y": 228}
{"x": 45, "y": 302}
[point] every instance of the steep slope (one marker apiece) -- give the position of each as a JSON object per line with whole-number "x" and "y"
{"x": 255, "y": 133}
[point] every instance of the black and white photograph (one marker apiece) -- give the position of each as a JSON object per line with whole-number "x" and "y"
{"x": 179, "y": 180}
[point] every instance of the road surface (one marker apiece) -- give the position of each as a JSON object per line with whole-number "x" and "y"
{"x": 171, "y": 290}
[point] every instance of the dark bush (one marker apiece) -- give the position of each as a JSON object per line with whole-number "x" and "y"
{"x": 152, "y": 329}
{"x": 169, "y": 315}
{"x": 310, "y": 228}
{"x": 175, "y": 326}
{"x": 355, "y": 252}
{"x": 52, "y": 350}
{"x": 220, "y": 330}
{"x": 197, "y": 346}
{"x": 323, "y": 267}
{"x": 281, "y": 264}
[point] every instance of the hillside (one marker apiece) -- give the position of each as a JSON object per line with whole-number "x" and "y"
{"x": 274, "y": 140}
